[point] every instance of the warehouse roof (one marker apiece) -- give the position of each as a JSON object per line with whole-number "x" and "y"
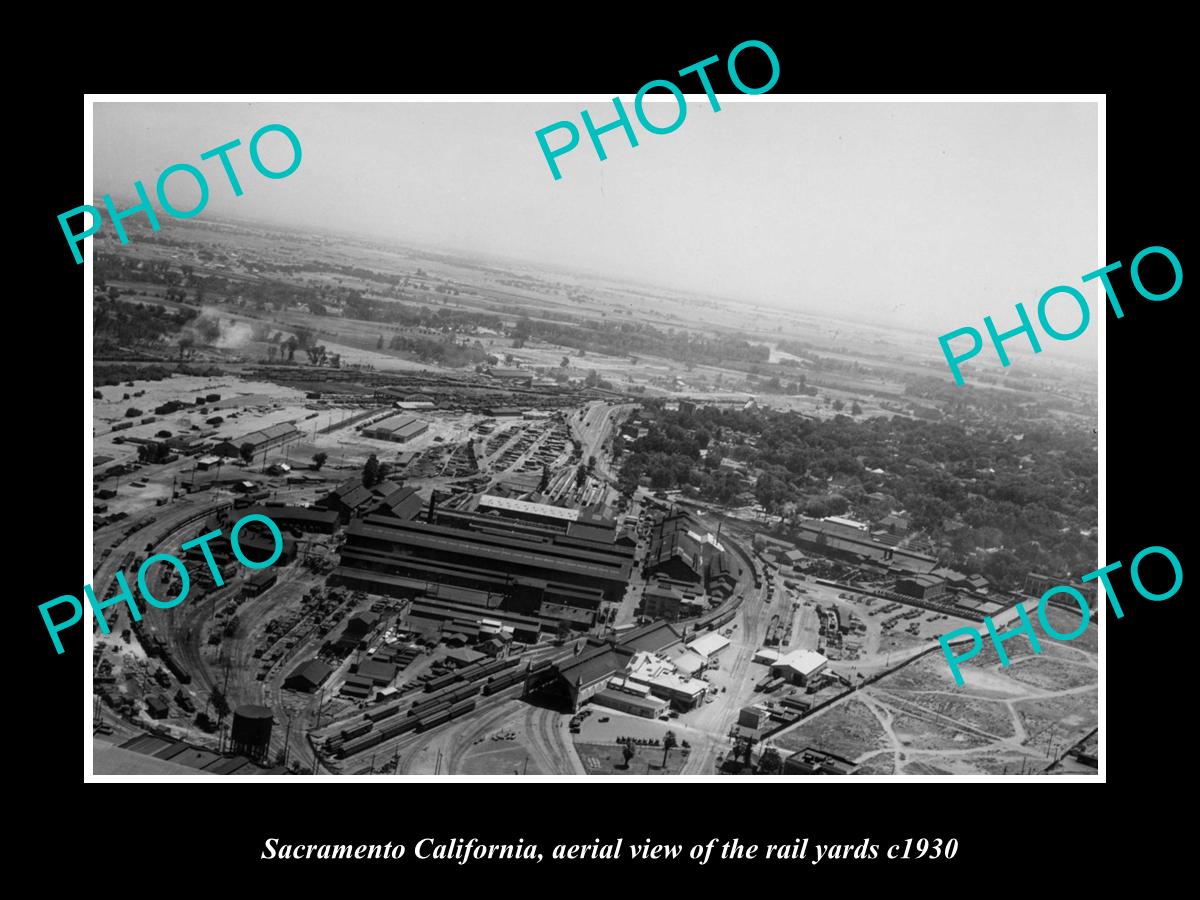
{"x": 650, "y": 638}
{"x": 599, "y": 664}
{"x": 110, "y": 760}
{"x": 270, "y": 433}
{"x": 314, "y": 672}
{"x": 803, "y": 662}
{"x": 399, "y": 425}
{"x": 710, "y": 644}
{"x": 378, "y": 672}
{"x": 292, "y": 513}
{"x": 491, "y": 548}
{"x": 535, "y": 509}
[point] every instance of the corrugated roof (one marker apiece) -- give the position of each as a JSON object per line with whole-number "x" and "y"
{"x": 536, "y": 509}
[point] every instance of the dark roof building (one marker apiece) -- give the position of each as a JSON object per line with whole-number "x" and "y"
{"x": 308, "y": 676}
{"x": 674, "y": 552}
{"x": 922, "y": 587}
{"x": 843, "y": 542}
{"x": 298, "y": 518}
{"x": 378, "y": 673}
{"x": 348, "y": 499}
{"x": 157, "y": 706}
{"x": 401, "y": 502}
{"x": 264, "y": 439}
{"x": 650, "y": 638}
{"x": 361, "y": 623}
{"x": 400, "y": 429}
{"x": 402, "y": 544}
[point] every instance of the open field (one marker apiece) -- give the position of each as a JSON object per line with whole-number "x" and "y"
{"x": 1019, "y": 717}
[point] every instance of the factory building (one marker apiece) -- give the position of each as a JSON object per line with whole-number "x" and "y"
{"x": 675, "y": 552}
{"x": 399, "y": 429}
{"x": 683, "y": 552}
{"x": 922, "y": 587}
{"x": 835, "y": 540}
{"x": 348, "y": 499}
{"x": 255, "y": 541}
{"x": 631, "y": 658}
{"x": 391, "y": 545}
{"x": 525, "y": 511}
{"x": 298, "y": 518}
{"x": 264, "y": 439}
{"x": 402, "y": 503}
{"x": 664, "y": 600}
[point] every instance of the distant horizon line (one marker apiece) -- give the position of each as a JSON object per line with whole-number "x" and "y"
{"x": 569, "y": 269}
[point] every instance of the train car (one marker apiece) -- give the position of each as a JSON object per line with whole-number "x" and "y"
{"x": 504, "y": 681}
{"x": 183, "y": 676}
{"x": 426, "y": 708}
{"x": 467, "y": 673}
{"x": 398, "y": 727}
{"x": 377, "y": 715}
{"x": 464, "y": 706}
{"x": 434, "y": 684}
{"x": 363, "y": 743}
{"x": 467, "y": 690}
{"x": 490, "y": 669}
{"x": 539, "y": 665}
{"x": 433, "y": 719}
{"x": 353, "y": 731}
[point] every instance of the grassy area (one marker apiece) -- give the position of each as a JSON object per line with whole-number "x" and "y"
{"x": 607, "y": 759}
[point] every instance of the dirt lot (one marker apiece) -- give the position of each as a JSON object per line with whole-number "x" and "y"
{"x": 849, "y": 730}
{"x": 1012, "y": 719}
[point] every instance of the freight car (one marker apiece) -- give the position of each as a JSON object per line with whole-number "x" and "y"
{"x": 461, "y": 707}
{"x": 434, "y": 684}
{"x": 353, "y": 731}
{"x": 363, "y": 743}
{"x": 398, "y": 727}
{"x": 377, "y": 715}
{"x": 433, "y": 719}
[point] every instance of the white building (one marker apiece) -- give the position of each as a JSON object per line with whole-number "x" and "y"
{"x": 709, "y": 645}
{"x": 799, "y": 666}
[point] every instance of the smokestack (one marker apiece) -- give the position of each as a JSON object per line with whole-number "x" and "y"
{"x": 431, "y": 515}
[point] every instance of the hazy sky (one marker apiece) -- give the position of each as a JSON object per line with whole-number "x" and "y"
{"x": 929, "y": 215}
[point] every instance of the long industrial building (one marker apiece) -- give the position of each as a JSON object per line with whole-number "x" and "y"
{"x": 564, "y": 575}
{"x": 400, "y": 429}
{"x": 264, "y": 439}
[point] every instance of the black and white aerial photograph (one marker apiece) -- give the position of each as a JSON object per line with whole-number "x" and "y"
{"x": 656, "y": 469}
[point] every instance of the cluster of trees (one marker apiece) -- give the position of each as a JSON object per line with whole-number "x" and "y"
{"x": 153, "y": 453}
{"x": 440, "y": 352}
{"x": 625, "y": 338}
{"x": 773, "y": 385}
{"x": 374, "y": 471}
{"x": 133, "y": 324}
{"x": 369, "y": 309}
{"x": 999, "y": 506}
